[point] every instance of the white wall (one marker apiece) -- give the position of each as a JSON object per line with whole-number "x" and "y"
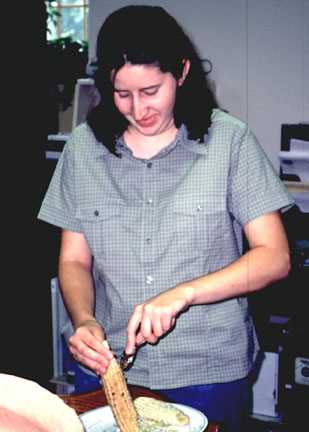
{"x": 260, "y": 55}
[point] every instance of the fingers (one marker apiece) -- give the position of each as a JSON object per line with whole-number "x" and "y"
{"x": 168, "y": 322}
{"x": 132, "y": 330}
{"x": 147, "y": 324}
{"x": 87, "y": 348}
{"x": 151, "y": 327}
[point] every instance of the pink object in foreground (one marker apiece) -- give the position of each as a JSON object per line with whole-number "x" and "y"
{"x": 25, "y": 406}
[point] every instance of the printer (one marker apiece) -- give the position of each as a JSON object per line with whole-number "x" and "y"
{"x": 294, "y": 162}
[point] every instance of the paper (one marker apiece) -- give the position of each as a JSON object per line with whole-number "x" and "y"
{"x": 299, "y": 145}
{"x": 265, "y": 388}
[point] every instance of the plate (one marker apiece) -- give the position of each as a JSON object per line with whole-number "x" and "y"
{"x": 102, "y": 419}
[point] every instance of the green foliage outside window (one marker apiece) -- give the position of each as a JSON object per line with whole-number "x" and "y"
{"x": 67, "y": 59}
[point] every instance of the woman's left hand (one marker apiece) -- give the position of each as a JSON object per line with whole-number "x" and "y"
{"x": 154, "y": 318}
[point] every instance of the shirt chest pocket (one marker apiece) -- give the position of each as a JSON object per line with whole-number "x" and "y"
{"x": 198, "y": 222}
{"x": 102, "y": 227}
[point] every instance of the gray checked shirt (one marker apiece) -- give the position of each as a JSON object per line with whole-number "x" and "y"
{"x": 152, "y": 224}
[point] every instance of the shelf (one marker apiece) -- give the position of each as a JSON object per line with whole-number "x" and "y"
{"x": 300, "y": 192}
{"x": 297, "y": 186}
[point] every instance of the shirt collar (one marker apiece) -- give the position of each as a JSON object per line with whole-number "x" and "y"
{"x": 122, "y": 147}
{"x": 182, "y": 138}
{"x": 195, "y": 146}
{"x": 199, "y": 146}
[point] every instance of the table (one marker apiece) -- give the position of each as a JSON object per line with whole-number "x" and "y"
{"x": 87, "y": 401}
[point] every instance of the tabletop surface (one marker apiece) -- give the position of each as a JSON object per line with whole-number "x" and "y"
{"x": 87, "y": 401}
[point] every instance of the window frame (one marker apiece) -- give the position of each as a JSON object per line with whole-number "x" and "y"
{"x": 59, "y": 5}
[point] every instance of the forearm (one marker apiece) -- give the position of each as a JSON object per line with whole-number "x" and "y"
{"x": 77, "y": 290}
{"x": 253, "y": 271}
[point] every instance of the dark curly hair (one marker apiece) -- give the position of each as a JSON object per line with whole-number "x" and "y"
{"x": 148, "y": 35}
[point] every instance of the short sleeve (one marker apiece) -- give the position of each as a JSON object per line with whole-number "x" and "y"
{"x": 59, "y": 203}
{"x": 254, "y": 186}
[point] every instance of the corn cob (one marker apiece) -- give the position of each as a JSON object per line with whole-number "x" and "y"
{"x": 119, "y": 398}
{"x": 160, "y": 412}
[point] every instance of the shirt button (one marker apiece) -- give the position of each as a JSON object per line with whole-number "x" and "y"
{"x": 148, "y": 240}
{"x": 199, "y": 207}
{"x": 149, "y": 164}
{"x": 96, "y": 212}
{"x": 149, "y": 201}
{"x": 149, "y": 279}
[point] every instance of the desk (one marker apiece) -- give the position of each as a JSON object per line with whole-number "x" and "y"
{"x": 87, "y": 401}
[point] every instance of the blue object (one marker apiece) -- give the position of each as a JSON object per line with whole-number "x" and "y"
{"x": 225, "y": 403}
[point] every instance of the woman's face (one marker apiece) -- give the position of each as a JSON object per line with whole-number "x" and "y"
{"x": 146, "y": 97}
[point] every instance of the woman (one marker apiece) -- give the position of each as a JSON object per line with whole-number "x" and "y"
{"x": 152, "y": 194}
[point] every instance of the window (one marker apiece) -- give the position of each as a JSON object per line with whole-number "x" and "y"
{"x": 68, "y": 18}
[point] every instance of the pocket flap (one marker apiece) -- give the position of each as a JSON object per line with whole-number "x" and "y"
{"x": 191, "y": 208}
{"x": 194, "y": 206}
{"x": 99, "y": 213}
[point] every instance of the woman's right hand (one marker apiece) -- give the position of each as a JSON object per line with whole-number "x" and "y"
{"x": 86, "y": 346}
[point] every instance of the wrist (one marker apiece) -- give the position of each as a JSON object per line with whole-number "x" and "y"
{"x": 189, "y": 293}
{"x": 85, "y": 321}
